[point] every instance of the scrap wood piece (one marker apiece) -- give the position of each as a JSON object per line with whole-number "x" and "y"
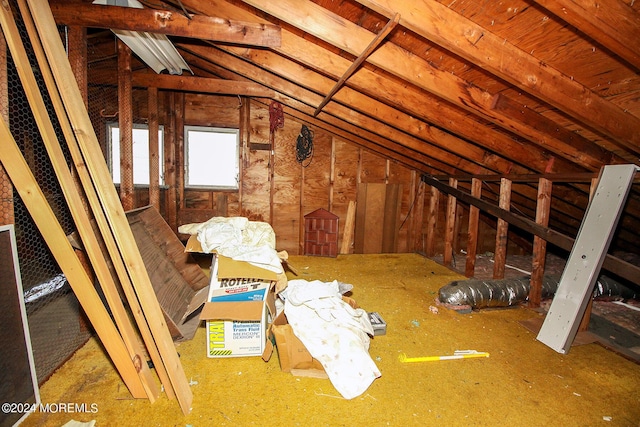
{"x": 113, "y": 210}
{"x": 74, "y": 202}
{"x": 51, "y": 230}
{"x": 349, "y": 224}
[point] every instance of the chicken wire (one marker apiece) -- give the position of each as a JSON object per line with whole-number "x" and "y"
{"x": 57, "y": 326}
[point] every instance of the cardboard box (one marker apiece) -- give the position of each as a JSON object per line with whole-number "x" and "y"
{"x": 294, "y": 356}
{"x": 236, "y": 313}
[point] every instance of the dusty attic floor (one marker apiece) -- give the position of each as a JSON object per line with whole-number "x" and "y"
{"x": 523, "y": 382}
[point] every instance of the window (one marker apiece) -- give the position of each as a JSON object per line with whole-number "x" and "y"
{"x": 140, "y": 153}
{"x": 211, "y": 157}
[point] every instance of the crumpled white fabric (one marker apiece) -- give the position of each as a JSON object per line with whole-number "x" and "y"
{"x": 239, "y": 239}
{"x": 333, "y": 332}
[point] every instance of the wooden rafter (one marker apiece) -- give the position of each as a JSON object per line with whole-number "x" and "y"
{"x": 166, "y": 22}
{"x": 201, "y": 85}
{"x": 360, "y": 60}
{"x": 612, "y": 23}
{"x": 331, "y": 28}
{"x": 487, "y": 50}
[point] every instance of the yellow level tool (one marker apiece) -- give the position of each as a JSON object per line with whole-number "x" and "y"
{"x": 458, "y": 354}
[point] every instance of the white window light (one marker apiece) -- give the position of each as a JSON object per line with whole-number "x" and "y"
{"x": 211, "y": 157}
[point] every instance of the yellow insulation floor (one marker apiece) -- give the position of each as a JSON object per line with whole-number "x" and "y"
{"x": 522, "y": 383}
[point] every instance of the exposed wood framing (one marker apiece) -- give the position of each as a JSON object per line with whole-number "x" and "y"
{"x": 98, "y": 217}
{"x": 480, "y": 46}
{"x": 61, "y": 249}
{"x": 418, "y": 217}
{"x": 179, "y": 154}
{"x": 449, "y": 227}
{"x": 170, "y": 171}
{"x": 540, "y": 245}
{"x": 502, "y": 231}
{"x": 169, "y": 23}
{"x": 472, "y": 236}
{"x": 201, "y": 85}
{"x": 154, "y": 148}
{"x": 379, "y": 38}
{"x": 610, "y": 22}
{"x": 328, "y": 27}
{"x": 432, "y": 221}
{"x": 144, "y": 386}
{"x": 125, "y": 124}
{"x": 620, "y": 267}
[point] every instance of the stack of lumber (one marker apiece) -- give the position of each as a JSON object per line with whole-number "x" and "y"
{"x": 129, "y": 333}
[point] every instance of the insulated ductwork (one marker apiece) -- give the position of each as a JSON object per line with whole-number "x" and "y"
{"x": 474, "y": 293}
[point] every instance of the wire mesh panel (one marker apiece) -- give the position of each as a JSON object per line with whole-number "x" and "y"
{"x": 56, "y": 324}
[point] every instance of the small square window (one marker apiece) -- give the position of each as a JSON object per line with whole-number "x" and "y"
{"x": 211, "y": 158}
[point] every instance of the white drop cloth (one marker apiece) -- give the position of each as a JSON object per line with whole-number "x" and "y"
{"x": 333, "y": 332}
{"x": 238, "y": 238}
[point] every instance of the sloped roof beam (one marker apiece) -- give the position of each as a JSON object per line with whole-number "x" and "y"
{"x": 166, "y": 22}
{"x": 612, "y": 23}
{"x": 454, "y": 32}
{"x": 360, "y": 60}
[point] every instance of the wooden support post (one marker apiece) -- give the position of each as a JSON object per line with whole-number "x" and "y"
{"x": 170, "y": 171}
{"x": 432, "y": 222}
{"x": 245, "y": 141}
{"x": 472, "y": 240}
{"x": 502, "y": 230}
{"x": 543, "y": 208}
{"x": 418, "y": 219}
{"x": 154, "y": 148}
{"x": 586, "y": 318}
{"x": 125, "y": 125}
{"x": 450, "y": 223}
{"x": 179, "y": 151}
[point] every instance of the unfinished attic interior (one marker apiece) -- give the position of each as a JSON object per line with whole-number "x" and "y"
{"x": 465, "y": 170}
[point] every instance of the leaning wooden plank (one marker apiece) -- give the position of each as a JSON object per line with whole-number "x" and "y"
{"x": 91, "y": 242}
{"x": 74, "y": 201}
{"x": 111, "y": 205}
{"x": 44, "y": 218}
{"x": 100, "y": 218}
